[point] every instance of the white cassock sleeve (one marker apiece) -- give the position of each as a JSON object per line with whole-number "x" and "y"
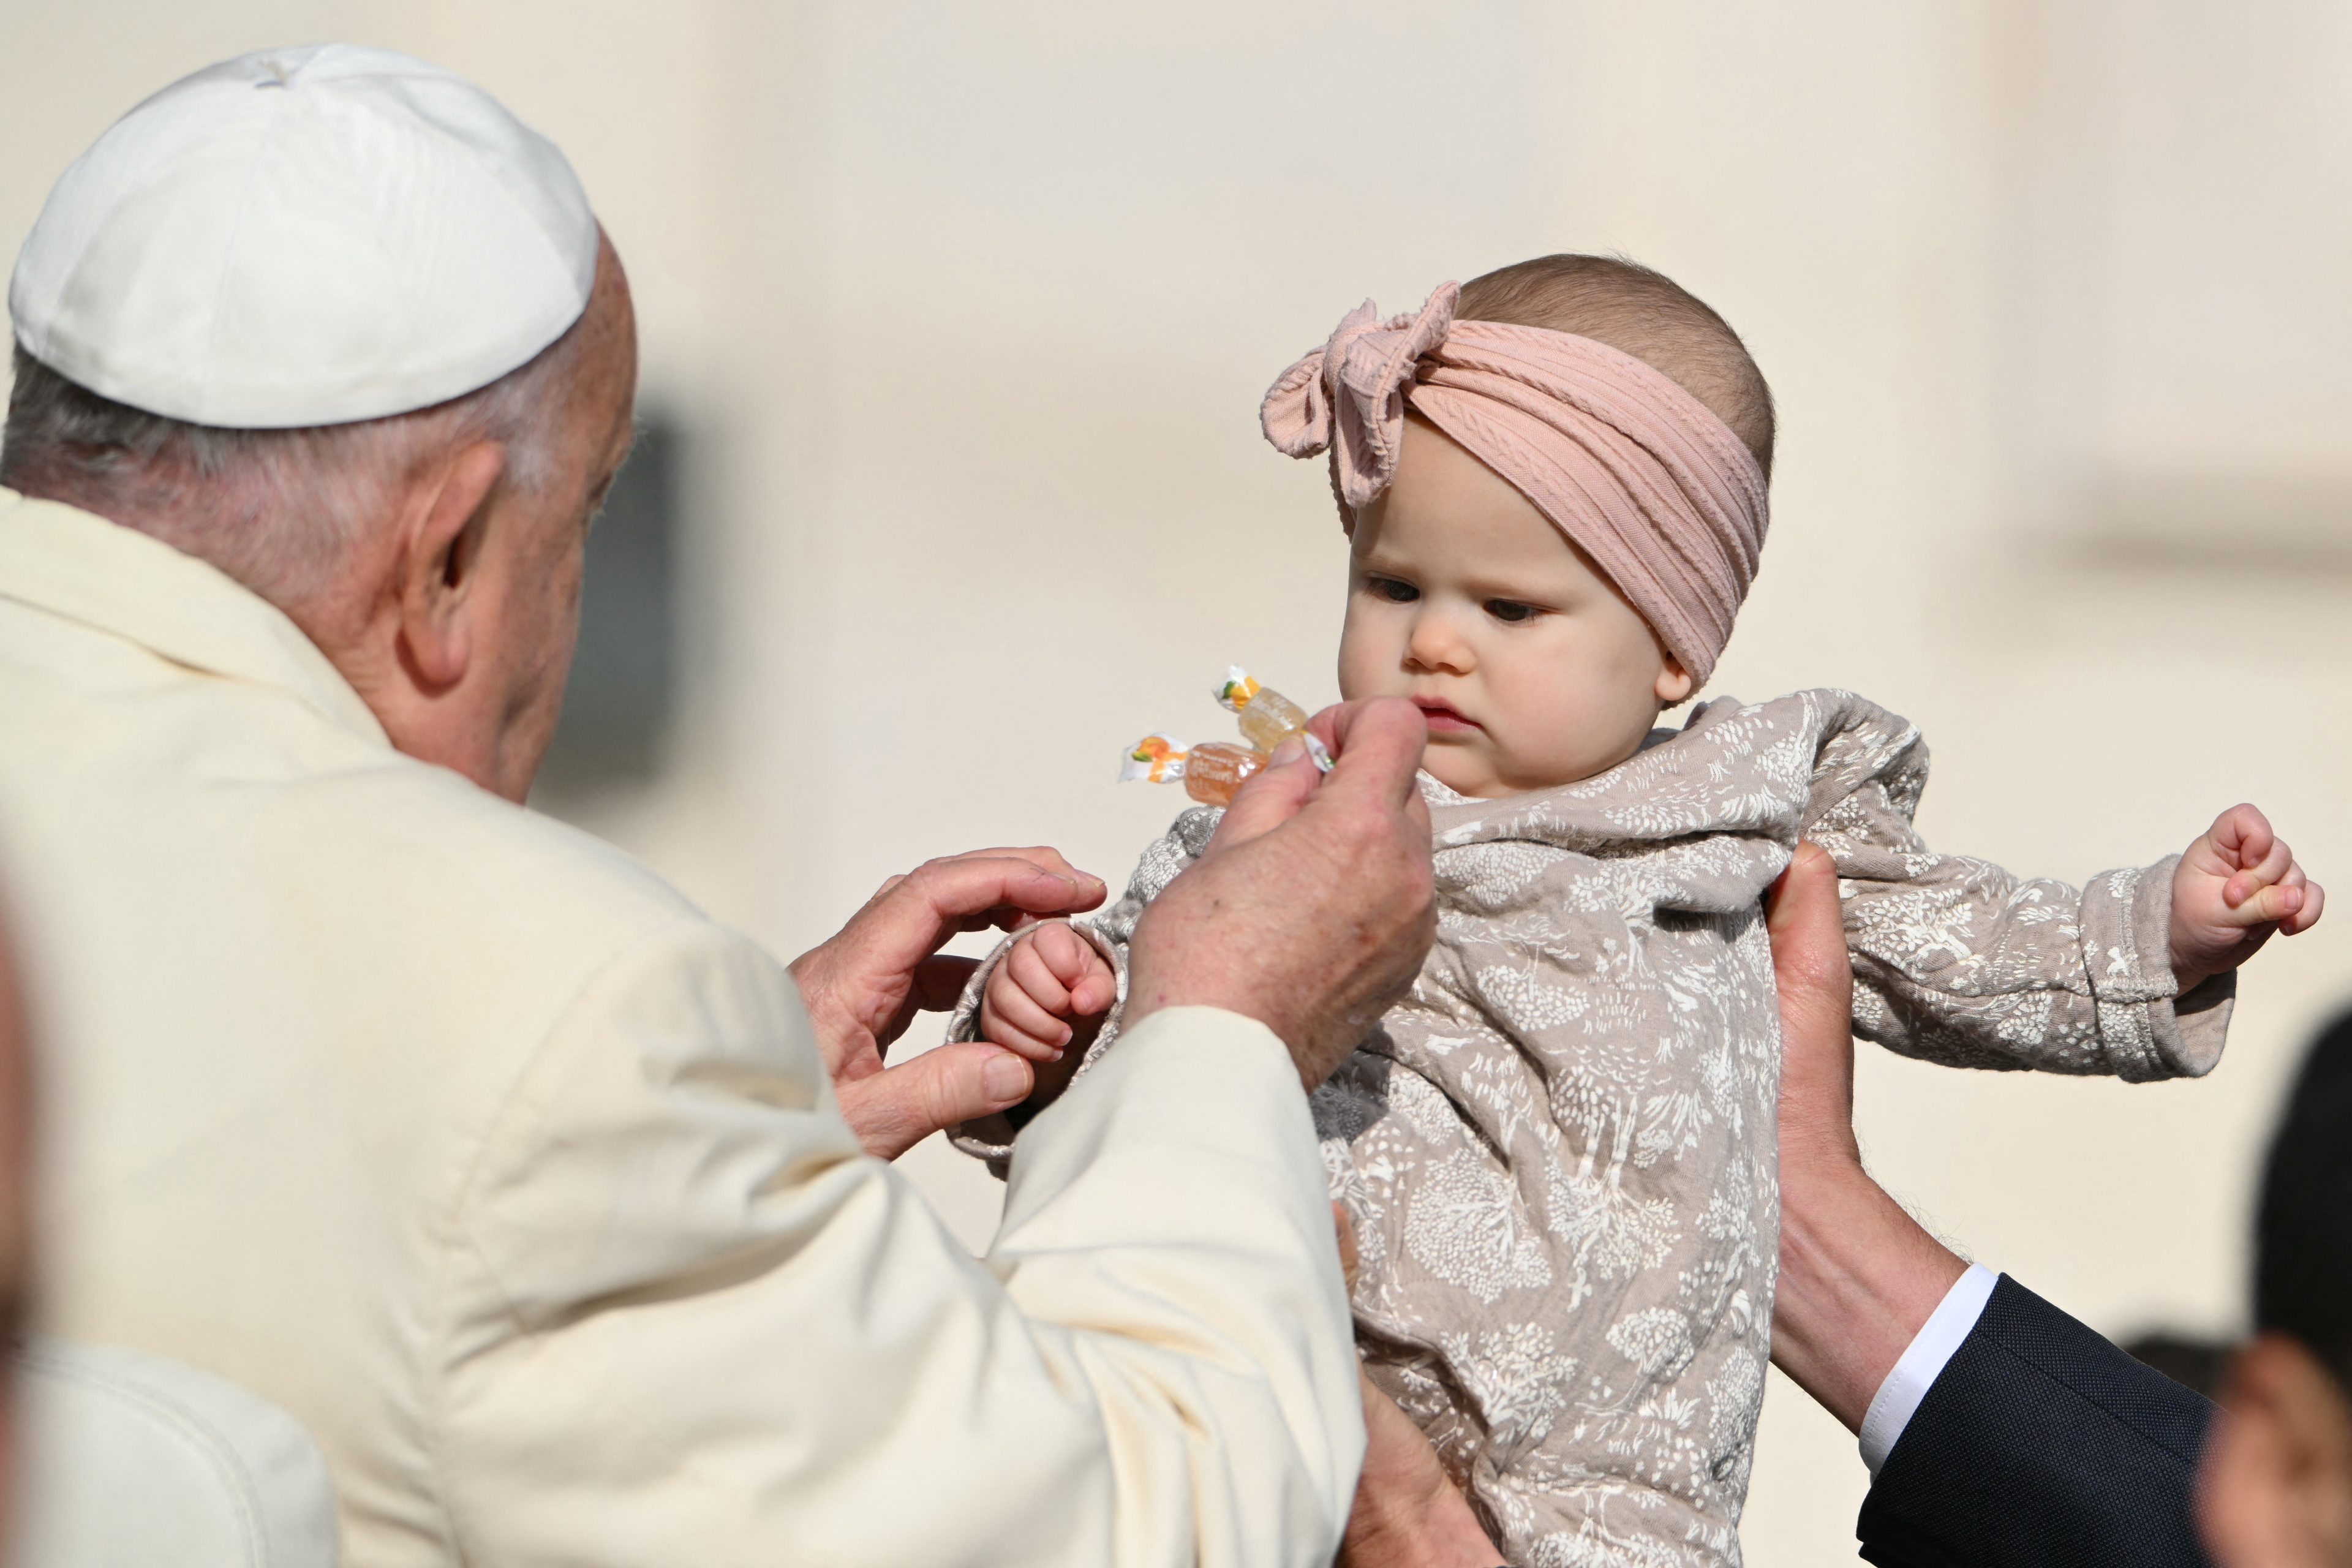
{"x": 686, "y": 1321}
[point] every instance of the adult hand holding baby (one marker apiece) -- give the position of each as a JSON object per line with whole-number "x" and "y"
{"x": 1311, "y": 911}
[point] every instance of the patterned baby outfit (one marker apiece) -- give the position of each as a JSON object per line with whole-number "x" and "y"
{"x": 1560, "y": 1151}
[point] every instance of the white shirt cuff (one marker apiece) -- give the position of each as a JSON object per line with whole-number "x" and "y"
{"x": 1891, "y": 1409}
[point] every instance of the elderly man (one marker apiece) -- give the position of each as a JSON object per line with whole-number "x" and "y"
{"x": 551, "y": 1205}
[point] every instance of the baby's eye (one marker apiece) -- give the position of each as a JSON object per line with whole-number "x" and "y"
{"x": 1396, "y": 593}
{"x": 1510, "y": 610}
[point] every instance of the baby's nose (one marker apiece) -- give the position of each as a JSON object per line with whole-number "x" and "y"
{"x": 1437, "y": 644}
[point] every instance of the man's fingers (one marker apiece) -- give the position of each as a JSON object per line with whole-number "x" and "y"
{"x": 1035, "y": 879}
{"x": 893, "y": 1111}
{"x": 2303, "y": 918}
{"x": 1269, "y": 797}
{"x": 930, "y": 902}
{"x": 1349, "y": 1258}
{"x": 1377, "y": 746}
{"x": 984, "y": 889}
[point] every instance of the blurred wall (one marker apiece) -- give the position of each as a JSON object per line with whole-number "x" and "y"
{"x": 964, "y": 311}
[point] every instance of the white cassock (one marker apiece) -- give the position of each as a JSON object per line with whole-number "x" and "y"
{"x": 519, "y": 1180}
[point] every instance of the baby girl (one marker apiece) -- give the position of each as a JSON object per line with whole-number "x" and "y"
{"x": 1559, "y": 1153}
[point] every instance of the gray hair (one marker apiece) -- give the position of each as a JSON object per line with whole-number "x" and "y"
{"x": 279, "y": 511}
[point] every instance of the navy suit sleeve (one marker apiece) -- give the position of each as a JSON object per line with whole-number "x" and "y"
{"x": 2041, "y": 1445}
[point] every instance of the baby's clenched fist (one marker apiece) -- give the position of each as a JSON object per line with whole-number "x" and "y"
{"x": 1051, "y": 975}
{"x": 2235, "y": 886}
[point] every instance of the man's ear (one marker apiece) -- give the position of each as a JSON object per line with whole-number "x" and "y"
{"x": 440, "y": 552}
{"x": 1674, "y": 682}
{"x": 2275, "y": 1487}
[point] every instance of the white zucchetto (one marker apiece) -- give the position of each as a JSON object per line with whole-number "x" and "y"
{"x": 306, "y": 237}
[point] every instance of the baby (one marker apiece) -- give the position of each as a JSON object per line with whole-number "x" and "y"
{"x": 1559, "y": 1153}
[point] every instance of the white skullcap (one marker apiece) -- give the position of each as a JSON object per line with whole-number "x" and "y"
{"x": 306, "y": 237}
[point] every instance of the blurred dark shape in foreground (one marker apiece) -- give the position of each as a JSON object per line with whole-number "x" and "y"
{"x": 616, "y": 726}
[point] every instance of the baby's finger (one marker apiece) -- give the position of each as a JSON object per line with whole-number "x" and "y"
{"x": 2313, "y": 898}
{"x": 1066, "y": 954}
{"x": 2243, "y": 835}
{"x": 1096, "y": 992}
{"x": 999, "y": 1030}
{"x": 2276, "y": 862}
{"x": 1021, "y": 1043}
{"x": 2269, "y": 905}
{"x": 2272, "y": 868}
{"x": 1027, "y": 969}
{"x": 1024, "y": 1027}
{"x": 1031, "y": 999}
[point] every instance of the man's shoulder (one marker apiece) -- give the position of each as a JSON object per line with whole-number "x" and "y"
{"x": 252, "y": 826}
{"x": 513, "y": 891}
{"x": 421, "y": 818}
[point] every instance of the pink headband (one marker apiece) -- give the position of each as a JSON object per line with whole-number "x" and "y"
{"x": 1636, "y": 471}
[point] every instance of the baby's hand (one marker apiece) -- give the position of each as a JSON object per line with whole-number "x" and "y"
{"x": 2233, "y": 887}
{"x": 1053, "y": 974}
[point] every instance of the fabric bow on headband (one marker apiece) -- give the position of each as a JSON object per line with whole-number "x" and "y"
{"x": 1637, "y": 472}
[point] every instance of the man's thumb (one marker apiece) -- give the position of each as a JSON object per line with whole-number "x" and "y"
{"x": 1807, "y": 927}
{"x": 897, "y": 1109}
{"x": 1270, "y": 798}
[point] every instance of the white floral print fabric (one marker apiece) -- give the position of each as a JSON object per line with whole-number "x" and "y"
{"x": 1560, "y": 1151}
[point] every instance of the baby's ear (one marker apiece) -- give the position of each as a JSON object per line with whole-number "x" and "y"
{"x": 1674, "y": 682}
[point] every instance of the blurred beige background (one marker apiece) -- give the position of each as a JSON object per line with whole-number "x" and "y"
{"x": 963, "y": 311}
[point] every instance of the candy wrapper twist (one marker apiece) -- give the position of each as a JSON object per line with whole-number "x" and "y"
{"x": 1213, "y": 770}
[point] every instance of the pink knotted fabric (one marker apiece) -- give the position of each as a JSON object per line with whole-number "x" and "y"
{"x": 1626, "y": 464}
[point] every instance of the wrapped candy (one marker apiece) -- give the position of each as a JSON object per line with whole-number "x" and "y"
{"x": 1213, "y": 770}
{"x": 1210, "y": 773}
{"x": 1267, "y": 717}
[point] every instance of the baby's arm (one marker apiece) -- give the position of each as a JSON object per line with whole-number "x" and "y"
{"x": 2234, "y": 885}
{"x": 1957, "y": 961}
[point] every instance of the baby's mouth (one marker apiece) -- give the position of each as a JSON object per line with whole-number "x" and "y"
{"x": 1443, "y": 720}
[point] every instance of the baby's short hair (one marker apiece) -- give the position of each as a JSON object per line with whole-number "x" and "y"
{"x": 1640, "y": 312}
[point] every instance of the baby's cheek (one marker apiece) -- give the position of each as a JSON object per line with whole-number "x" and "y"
{"x": 1360, "y": 664}
{"x": 1587, "y": 723}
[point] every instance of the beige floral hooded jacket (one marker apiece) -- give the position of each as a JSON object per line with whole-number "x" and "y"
{"x": 1560, "y": 1151}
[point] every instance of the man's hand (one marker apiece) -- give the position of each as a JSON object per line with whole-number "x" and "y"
{"x": 1311, "y": 911}
{"x": 864, "y": 987}
{"x": 1859, "y": 1277}
{"x": 2233, "y": 887}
